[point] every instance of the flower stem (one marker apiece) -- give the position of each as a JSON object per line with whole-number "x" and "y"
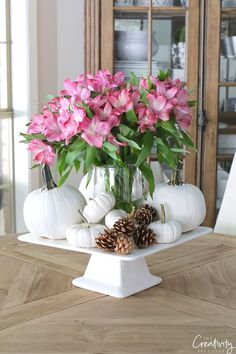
{"x": 176, "y": 178}
{"x": 163, "y": 214}
{"x": 47, "y": 177}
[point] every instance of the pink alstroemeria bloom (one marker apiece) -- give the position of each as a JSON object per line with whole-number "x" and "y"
{"x": 52, "y": 129}
{"x": 96, "y": 131}
{"x": 167, "y": 89}
{"x": 146, "y": 120}
{"x": 143, "y": 84}
{"x": 42, "y": 153}
{"x": 183, "y": 116}
{"x": 106, "y": 114}
{"x": 68, "y": 125}
{"x": 119, "y": 78}
{"x": 121, "y": 100}
{"x": 37, "y": 125}
{"x": 97, "y": 102}
{"x": 159, "y": 107}
{"x": 77, "y": 92}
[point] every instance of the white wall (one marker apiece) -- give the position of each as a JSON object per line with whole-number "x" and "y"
{"x": 47, "y": 47}
{"x": 60, "y": 48}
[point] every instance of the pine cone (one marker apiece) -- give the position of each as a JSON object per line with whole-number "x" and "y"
{"x": 144, "y": 237}
{"x": 151, "y": 209}
{"x": 125, "y": 226}
{"x": 107, "y": 240}
{"x": 124, "y": 245}
{"x": 144, "y": 215}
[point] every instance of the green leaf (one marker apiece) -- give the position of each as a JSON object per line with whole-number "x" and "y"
{"x": 163, "y": 75}
{"x": 187, "y": 139}
{"x": 192, "y": 103}
{"x": 30, "y": 137}
{"x": 35, "y": 166}
{"x": 111, "y": 150}
{"x": 77, "y": 164}
{"x": 167, "y": 154}
{"x": 64, "y": 177}
{"x": 146, "y": 148}
{"x": 183, "y": 151}
{"x": 87, "y": 109}
{"x": 131, "y": 116}
{"x": 126, "y": 131}
{"x": 133, "y": 78}
{"x": 131, "y": 143}
{"x": 71, "y": 156}
{"x": 78, "y": 145}
{"x": 89, "y": 176}
{"x": 90, "y": 156}
{"x": 61, "y": 162}
{"x": 50, "y": 97}
{"x": 148, "y": 175}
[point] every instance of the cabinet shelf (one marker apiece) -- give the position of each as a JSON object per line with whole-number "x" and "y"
{"x": 227, "y": 117}
{"x": 225, "y": 157}
{"x": 227, "y": 83}
{"x": 172, "y": 11}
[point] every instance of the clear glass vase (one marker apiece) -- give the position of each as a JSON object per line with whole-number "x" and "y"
{"x": 127, "y": 185}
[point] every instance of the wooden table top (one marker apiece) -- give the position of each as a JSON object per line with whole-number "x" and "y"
{"x": 41, "y": 312}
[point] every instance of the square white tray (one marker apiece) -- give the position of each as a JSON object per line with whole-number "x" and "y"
{"x": 113, "y": 274}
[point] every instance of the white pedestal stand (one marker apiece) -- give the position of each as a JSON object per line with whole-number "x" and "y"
{"x": 116, "y": 275}
{"x": 112, "y": 276}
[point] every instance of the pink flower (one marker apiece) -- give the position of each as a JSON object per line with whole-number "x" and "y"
{"x": 119, "y": 78}
{"x": 42, "y": 153}
{"x": 77, "y": 92}
{"x": 159, "y": 107}
{"x": 37, "y": 124}
{"x": 52, "y": 129}
{"x": 121, "y": 100}
{"x": 183, "y": 117}
{"x": 107, "y": 114}
{"x": 96, "y": 131}
{"x": 143, "y": 84}
{"x": 146, "y": 120}
{"x": 68, "y": 125}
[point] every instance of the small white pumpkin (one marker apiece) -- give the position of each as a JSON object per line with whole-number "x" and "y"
{"x": 84, "y": 235}
{"x": 48, "y": 212}
{"x": 93, "y": 188}
{"x": 98, "y": 207}
{"x": 184, "y": 203}
{"x": 113, "y": 216}
{"x": 166, "y": 231}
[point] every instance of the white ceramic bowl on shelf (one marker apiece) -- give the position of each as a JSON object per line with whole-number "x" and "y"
{"x": 132, "y": 45}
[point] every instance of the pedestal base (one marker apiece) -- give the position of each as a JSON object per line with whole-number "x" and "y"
{"x": 114, "y": 277}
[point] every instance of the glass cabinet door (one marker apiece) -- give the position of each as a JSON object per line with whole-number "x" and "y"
{"x": 146, "y": 36}
{"x": 227, "y": 98}
{"x": 149, "y": 36}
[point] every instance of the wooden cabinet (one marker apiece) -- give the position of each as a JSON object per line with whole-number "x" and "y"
{"x": 186, "y": 38}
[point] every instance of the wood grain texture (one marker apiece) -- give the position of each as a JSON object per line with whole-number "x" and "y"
{"x": 42, "y": 313}
{"x": 212, "y": 49}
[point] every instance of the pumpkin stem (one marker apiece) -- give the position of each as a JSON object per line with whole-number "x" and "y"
{"x": 83, "y": 217}
{"x": 163, "y": 214}
{"x": 131, "y": 214}
{"x": 176, "y": 178}
{"x": 47, "y": 177}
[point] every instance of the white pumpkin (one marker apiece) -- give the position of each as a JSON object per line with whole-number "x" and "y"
{"x": 84, "y": 235}
{"x": 166, "y": 231}
{"x": 93, "y": 188}
{"x": 183, "y": 203}
{"x": 49, "y": 213}
{"x": 113, "y": 216}
{"x": 98, "y": 207}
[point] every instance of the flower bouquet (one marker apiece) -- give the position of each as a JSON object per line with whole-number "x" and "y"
{"x": 104, "y": 122}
